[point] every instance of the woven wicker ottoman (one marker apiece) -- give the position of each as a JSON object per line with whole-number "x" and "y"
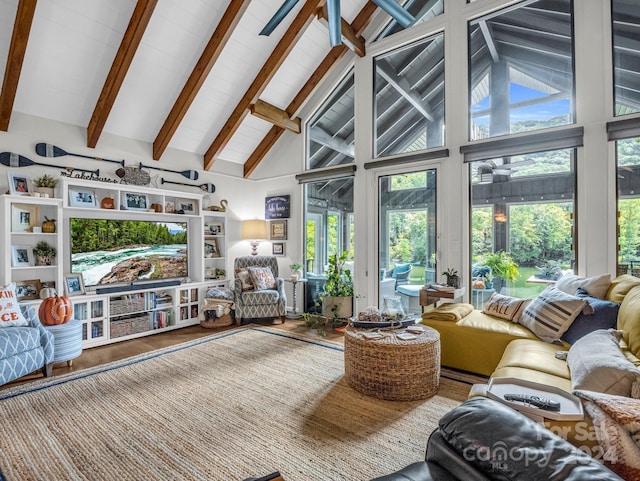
{"x": 391, "y": 368}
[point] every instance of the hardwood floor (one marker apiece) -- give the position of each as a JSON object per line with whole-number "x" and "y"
{"x": 121, "y": 350}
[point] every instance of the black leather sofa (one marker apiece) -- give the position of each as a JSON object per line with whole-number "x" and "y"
{"x": 483, "y": 439}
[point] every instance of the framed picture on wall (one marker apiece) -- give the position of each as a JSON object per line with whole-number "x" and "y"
{"x": 278, "y": 230}
{"x": 278, "y": 248}
{"x": 277, "y": 207}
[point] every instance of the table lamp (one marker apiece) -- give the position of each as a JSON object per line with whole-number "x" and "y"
{"x": 254, "y": 230}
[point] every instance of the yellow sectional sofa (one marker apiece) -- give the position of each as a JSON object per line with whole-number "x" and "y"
{"x": 487, "y": 345}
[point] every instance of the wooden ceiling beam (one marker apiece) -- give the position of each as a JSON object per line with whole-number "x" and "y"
{"x": 265, "y": 111}
{"x": 209, "y": 57}
{"x": 351, "y": 39}
{"x": 17, "y": 49}
{"x": 266, "y": 73}
{"x": 360, "y": 23}
{"x": 119, "y": 68}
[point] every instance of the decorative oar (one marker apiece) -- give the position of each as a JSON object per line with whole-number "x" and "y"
{"x": 189, "y": 174}
{"x": 15, "y": 160}
{"x": 206, "y": 187}
{"x": 49, "y": 150}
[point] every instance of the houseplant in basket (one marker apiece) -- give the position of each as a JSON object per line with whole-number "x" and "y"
{"x": 337, "y": 298}
{"x": 44, "y": 252}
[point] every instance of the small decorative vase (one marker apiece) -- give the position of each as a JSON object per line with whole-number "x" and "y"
{"x": 392, "y": 309}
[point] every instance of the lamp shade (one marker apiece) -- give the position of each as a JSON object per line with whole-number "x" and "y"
{"x": 254, "y": 229}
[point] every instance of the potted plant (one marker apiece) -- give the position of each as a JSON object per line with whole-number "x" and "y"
{"x": 337, "y": 298}
{"x": 45, "y": 184}
{"x": 43, "y": 253}
{"x": 452, "y": 277}
{"x": 503, "y": 268}
{"x": 295, "y": 270}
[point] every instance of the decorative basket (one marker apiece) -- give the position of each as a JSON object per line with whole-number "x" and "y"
{"x": 224, "y": 321}
{"x": 49, "y": 226}
{"x": 216, "y": 313}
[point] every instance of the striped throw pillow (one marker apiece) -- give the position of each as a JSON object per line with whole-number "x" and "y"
{"x": 550, "y": 314}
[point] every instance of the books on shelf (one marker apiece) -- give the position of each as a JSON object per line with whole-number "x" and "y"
{"x": 440, "y": 287}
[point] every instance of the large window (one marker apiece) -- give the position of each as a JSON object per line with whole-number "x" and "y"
{"x": 409, "y": 98}
{"x": 628, "y": 158}
{"x": 523, "y": 209}
{"x": 521, "y": 69}
{"x": 328, "y": 194}
{"x": 330, "y": 133}
{"x": 626, "y": 55}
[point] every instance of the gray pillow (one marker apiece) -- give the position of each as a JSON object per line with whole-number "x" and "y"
{"x": 597, "y": 364}
{"x": 550, "y": 314}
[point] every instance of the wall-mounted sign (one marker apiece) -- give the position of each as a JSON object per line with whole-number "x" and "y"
{"x": 276, "y": 207}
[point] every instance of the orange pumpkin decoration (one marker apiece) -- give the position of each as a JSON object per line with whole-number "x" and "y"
{"x": 55, "y": 310}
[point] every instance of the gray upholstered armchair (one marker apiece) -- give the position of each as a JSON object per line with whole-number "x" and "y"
{"x": 261, "y": 301}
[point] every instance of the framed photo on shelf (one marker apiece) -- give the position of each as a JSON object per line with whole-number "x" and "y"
{"x": 169, "y": 207}
{"x": 278, "y": 230}
{"x": 184, "y": 206}
{"x": 211, "y": 248}
{"x": 278, "y": 249}
{"x": 23, "y": 217}
{"x": 73, "y": 284}
{"x": 28, "y": 289}
{"x": 82, "y": 198}
{"x": 214, "y": 228}
{"x": 48, "y": 284}
{"x": 134, "y": 201}
{"x": 19, "y": 184}
{"x": 21, "y": 256}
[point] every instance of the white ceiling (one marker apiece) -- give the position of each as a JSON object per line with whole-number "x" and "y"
{"x": 73, "y": 43}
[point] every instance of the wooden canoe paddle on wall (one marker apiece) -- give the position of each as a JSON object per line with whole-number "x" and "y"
{"x": 49, "y": 150}
{"x": 189, "y": 174}
{"x": 211, "y": 188}
{"x": 15, "y": 160}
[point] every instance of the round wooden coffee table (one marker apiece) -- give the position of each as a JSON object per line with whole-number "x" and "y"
{"x": 392, "y": 368}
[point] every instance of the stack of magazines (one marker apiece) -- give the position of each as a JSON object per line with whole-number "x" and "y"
{"x": 440, "y": 287}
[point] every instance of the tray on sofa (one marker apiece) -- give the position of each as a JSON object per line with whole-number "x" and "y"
{"x": 570, "y": 405}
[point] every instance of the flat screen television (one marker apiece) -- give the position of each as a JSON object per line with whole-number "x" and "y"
{"x": 111, "y": 252}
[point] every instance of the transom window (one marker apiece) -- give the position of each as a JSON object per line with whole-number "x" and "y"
{"x": 521, "y": 69}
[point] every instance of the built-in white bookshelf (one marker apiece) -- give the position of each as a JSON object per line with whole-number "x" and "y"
{"x": 123, "y": 311}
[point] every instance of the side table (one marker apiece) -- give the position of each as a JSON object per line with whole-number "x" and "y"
{"x": 391, "y": 368}
{"x": 433, "y": 296}
{"x": 67, "y": 341}
{"x": 294, "y": 314}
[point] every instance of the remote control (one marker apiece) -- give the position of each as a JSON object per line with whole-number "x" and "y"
{"x": 539, "y": 402}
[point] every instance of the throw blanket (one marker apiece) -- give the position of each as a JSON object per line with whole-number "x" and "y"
{"x": 449, "y": 311}
{"x": 616, "y": 421}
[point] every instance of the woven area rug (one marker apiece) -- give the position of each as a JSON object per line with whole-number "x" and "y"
{"x": 240, "y": 403}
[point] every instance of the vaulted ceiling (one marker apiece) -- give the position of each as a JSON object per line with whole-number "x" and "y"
{"x": 193, "y": 75}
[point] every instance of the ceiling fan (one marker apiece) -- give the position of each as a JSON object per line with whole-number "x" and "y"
{"x": 399, "y": 14}
{"x": 487, "y": 169}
